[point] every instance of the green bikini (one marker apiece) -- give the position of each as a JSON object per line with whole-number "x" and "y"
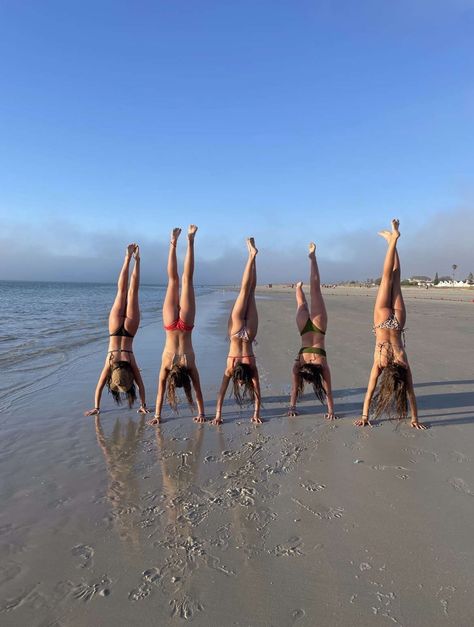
{"x": 310, "y": 327}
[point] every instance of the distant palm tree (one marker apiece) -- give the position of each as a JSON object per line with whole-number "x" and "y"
{"x": 454, "y": 266}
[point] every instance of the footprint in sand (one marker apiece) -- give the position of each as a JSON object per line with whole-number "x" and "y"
{"x": 459, "y": 457}
{"x": 185, "y": 608}
{"x": 311, "y": 486}
{"x": 8, "y": 571}
{"x": 86, "y": 591}
{"x": 460, "y": 485}
{"x": 297, "y": 615}
{"x": 85, "y": 554}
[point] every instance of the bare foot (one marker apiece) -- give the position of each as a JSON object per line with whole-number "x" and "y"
{"x": 192, "y": 231}
{"x": 312, "y": 249}
{"x": 155, "y": 421}
{"x": 251, "y": 246}
{"x": 136, "y": 252}
{"x": 130, "y": 250}
{"x": 385, "y": 234}
{"x": 299, "y": 284}
{"x": 395, "y": 225}
{"x": 175, "y": 233}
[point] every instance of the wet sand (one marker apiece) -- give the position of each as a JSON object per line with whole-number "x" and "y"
{"x": 294, "y": 522}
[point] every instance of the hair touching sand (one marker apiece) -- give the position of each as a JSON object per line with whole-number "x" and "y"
{"x": 179, "y": 378}
{"x": 391, "y": 397}
{"x": 312, "y": 373}
{"x": 120, "y": 382}
{"x": 242, "y": 383}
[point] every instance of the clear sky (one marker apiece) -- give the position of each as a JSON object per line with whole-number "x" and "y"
{"x": 286, "y": 119}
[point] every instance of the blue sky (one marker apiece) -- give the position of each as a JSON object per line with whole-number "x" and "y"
{"x": 290, "y": 120}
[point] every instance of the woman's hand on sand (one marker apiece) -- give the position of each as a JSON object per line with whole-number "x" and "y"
{"x": 330, "y": 416}
{"x": 362, "y": 422}
{"x": 217, "y": 420}
{"x": 292, "y": 411}
{"x": 256, "y": 419}
{"x": 92, "y": 412}
{"x": 155, "y": 421}
{"x": 143, "y": 410}
{"x": 418, "y": 425}
{"x": 200, "y": 419}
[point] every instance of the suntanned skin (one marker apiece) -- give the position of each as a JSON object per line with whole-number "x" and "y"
{"x": 126, "y": 311}
{"x": 389, "y": 300}
{"x": 179, "y": 343}
{"x": 244, "y": 312}
{"x": 319, "y": 317}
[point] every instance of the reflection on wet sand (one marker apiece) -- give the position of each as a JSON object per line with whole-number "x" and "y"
{"x": 120, "y": 451}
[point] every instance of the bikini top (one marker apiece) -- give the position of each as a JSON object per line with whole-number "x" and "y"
{"x": 310, "y": 327}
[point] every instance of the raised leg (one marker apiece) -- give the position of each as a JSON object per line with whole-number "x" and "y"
{"x": 318, "y": 309}
{"x": 383, "y": 302}
{"x": 118, "y": 311}
{"x": 188, "y": 301}
{"x": 252, "y": 314}
{"x": 132, "y": 319}
{"x": 302, "y": 311}
{"x": 171, "y": 302}
{"x": 398, "y": 303}
{"x": 238, "y": 315}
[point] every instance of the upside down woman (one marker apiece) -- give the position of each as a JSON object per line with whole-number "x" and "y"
{"x": 396, "y": 390}
{"x": 311, "y": 364}
{"x": 120, "y": 372}
{"x": 178, "y": 363}
{"x": 242, "y": 329}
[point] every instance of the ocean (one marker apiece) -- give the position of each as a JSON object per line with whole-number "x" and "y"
{"x": 45, "y": 326}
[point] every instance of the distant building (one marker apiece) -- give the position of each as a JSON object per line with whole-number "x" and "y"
{"x": 421, "y": 280}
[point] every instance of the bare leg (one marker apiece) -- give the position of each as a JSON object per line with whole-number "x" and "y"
{"x": 398, "y": 303}
{"x": 318, "y": 309}
{"x": 188, "y": 302}
{"x": 117, "y": 313}
{"x": 171, "y": 302}
{"x": 239, "y": 311}
{"x": 383, "y": 303}
{"x": 132, "y": 319}
{"x": 302, "y": 311}
{"x": 252, "y": 314}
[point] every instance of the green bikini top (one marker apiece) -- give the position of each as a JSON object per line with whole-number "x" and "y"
{"x": 309, "y": 327}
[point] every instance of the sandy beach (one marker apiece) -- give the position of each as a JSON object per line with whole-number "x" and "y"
{"x": 298, "y": 521}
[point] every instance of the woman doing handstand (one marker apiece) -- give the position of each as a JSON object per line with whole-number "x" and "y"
{"x": 242, "y": 329}
{"x": 178, "y": 363}
{"x": 311, "y": 364}
{"x": 390, "y": 358}
{"x": 120, "y": 372}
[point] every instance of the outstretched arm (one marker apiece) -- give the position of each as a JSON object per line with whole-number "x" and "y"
{"x": 141, "y": 388}
{"x": 295, "y": 379}
{"x": 328, "y": 389}
{"x": 220, "y": 399}
{"x": 194, "y": 374}
{"x": 412, "y": 401}
{"x": 258, "y": 398}
{"x": 374, "y": 376}
{"x": 98, "y": 391}
{"x": 163, "y": 376}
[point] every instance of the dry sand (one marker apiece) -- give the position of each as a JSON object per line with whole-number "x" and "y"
{"x": 296, "y": 522}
